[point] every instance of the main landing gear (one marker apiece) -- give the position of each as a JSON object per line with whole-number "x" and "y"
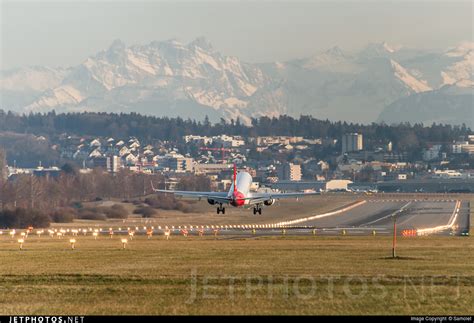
{"x": 220, "y": 209}
{"x": 257, "y": 209}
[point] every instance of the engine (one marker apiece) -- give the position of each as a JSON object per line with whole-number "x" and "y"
{"x": 269, "y": 202}
{"x": 212, "y": 202}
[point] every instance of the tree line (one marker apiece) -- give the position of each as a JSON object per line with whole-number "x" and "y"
{"x": 60, "y": 198}
{"x": 163, "y": 128}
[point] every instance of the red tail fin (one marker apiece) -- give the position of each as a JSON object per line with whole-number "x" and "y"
{"x": 235, "y": 178}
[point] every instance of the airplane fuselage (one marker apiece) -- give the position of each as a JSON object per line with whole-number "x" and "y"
{"x": 241, "y": 189}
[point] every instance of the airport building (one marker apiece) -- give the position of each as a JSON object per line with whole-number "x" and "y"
{"x": 291, "y": 186}
{"x": 433, "y": 185}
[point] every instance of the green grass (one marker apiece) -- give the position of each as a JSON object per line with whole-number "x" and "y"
{"x": 285, "y": 275}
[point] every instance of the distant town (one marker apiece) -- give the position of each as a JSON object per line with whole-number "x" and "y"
{"x": 286, "y": 163}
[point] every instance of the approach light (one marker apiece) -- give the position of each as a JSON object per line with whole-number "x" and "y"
{"x": 21, "y": 241}
{"x": 73, "y": 243}
{"x": 124, "y": 243}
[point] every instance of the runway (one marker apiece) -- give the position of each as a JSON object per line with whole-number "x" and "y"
{"x": 367, "y": 217}
{"x": 370, "y": 216}
{"x": 410, "y": 215}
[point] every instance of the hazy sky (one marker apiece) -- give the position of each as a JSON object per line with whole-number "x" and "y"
{"x": 64, "y": 33}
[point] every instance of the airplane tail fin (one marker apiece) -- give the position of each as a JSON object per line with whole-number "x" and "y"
{"x": 235, "y": 178}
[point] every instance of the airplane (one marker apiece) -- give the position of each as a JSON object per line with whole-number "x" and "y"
{"x": 239, "y": 195}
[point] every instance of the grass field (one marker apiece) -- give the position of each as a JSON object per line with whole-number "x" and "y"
{"x": 283, "y": 275}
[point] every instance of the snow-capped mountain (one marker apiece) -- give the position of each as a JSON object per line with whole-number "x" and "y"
{"x": 438, "y": 69}
{"x": 169, "y": 78}
{"x": 451, "y": 100}
{"x": 159, "y": 78}
{"x": 451, "y": 104}
{"x": 335, "y": 84}
{"x": 19, "y": 87}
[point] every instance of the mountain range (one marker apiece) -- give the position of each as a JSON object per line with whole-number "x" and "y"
{"x": 169, "y": 78}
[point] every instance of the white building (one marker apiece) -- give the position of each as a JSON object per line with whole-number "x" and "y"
{"x": 323, "y": 165}
{"x": 95, "y": 153}
{"x": 130, "y": 159}
{"x": 449, "y": 173}
{"x": 124, "y": 151}
{"x": 115, "y": 164}
{"x": 134, "y": 145}
{"x": 95, "y": 143}
{"x": 469, "y": 149}
{"x": 456, "y": 148}
{"x": 289, "y": 171}
{"x": 402, "y": 177}
{"x": 464, "y": 147}
{"x": 201, "y": 140}
{"x": 176, "y": 162}
{"x": 337, "y": 185}
{"x": 229, "y": 141}
{"x": 432, "y": 153}
{"x": 352, "y": 142}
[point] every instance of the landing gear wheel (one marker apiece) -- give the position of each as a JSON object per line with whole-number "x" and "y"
{"x": 260, "y": 211}
{"x": 254, "y": 211}
{"x": 220, "y": 209}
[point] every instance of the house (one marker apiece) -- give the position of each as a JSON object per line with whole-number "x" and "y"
{"x": 80, "y": 154}
{"x": 124, "y": 151}
{"x": 323, "y": 165}
{"x": 130, "y": 159}
{"x": 95, "y": 143}
{"x": 95, "y": 153}
{"x": 134, "y": 144}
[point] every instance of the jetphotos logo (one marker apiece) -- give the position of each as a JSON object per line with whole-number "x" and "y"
{"x": 324, "y": 287}
{"x": 46, "y": 319}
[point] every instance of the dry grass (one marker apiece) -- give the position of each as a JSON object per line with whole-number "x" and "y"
{"x": 305, "y": 275}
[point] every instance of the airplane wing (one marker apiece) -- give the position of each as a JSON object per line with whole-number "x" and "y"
{"x": 219, "y": 197}
{"x": 276, "y": 195}
{"x": 262, "y": 197}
